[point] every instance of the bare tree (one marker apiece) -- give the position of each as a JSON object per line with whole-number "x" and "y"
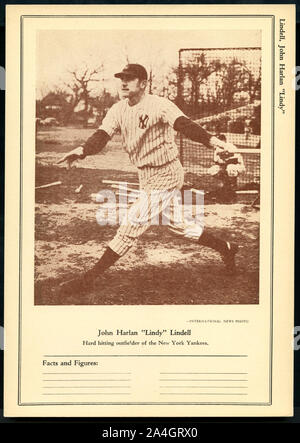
{"x": 229, "y": 82}
{"x": 73, "y": 99}
{"x": 197, "y": 72}
{"x": 81, "y": 90}
{"x": 251, "y": 82}
{"x": 236, "y": 77}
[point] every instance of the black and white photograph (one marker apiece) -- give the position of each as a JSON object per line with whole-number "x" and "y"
{"x": 147, "y": 167}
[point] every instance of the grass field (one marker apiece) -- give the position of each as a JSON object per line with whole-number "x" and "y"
{"x": 162, "y": 269}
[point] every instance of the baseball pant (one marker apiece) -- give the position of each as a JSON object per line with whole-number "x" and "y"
{"x": 158, "y": 199}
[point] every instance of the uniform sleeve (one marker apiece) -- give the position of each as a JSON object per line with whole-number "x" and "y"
{"x": 95, "y": 143}
{"x": 110, "y": 123}
{"x": 192, "y": 131}
{"x": 169, "y": 112}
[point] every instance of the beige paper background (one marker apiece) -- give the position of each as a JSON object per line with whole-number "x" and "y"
{"x": 60, "y": 329}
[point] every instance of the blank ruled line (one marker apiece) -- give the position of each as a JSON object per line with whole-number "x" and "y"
{"x": 201, "y": 379}
{"x": 85, "y": 387}
{"x": 89, "y": 393}
{"x": 218, "y": 387}
{"x": 201, "y": 393}
{"x": 73, "y": 379}
{"x": 203, "y": 373}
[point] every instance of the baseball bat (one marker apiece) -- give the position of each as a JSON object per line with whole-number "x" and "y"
{"x": 114, "y": 182}
{"x": 48, "y": 185}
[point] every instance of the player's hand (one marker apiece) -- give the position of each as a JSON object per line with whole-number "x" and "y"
{"x": 216, "y": 143}
{"x": 230, "y": 148}
{"x": 72, "y": 156}
{"x": 235, "y": 170}
{"x": 232, "y": 170}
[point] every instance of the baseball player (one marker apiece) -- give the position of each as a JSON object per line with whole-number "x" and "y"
{"x": 147, "y": 123}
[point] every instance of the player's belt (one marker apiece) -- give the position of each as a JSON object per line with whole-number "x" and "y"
{"x": 157, "y": 166}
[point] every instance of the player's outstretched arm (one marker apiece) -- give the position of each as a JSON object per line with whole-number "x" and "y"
{"x": 93, "y": 145}
{"x": 195, "y": 132}
{"x": 192, "y": 130}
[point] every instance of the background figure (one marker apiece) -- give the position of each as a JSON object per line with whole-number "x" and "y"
{"x": 248, "y": 128}
{"x": 227, "y": 167}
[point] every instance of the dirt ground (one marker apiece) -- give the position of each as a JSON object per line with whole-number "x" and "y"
{"x": 162, "y": 269}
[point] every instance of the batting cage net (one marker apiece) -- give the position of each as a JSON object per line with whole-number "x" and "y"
{"x": 221, "y": 90}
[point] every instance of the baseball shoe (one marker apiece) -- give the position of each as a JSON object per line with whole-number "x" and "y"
{"x": 77, "y": 285}
{"x": 228, "y": 257}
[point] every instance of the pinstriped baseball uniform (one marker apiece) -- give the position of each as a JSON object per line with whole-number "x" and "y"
{"x": 148, "y": 137}
{"x": 146, "y": 128}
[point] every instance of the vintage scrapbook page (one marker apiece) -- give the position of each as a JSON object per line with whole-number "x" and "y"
{"x": 149, "y": 220}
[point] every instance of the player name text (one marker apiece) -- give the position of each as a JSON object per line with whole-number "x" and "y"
{"x": 282, "y": 66}
{"x": 147, "y": 332}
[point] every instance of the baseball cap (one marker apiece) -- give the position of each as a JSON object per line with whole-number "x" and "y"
{"x": 133, "y": 70}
